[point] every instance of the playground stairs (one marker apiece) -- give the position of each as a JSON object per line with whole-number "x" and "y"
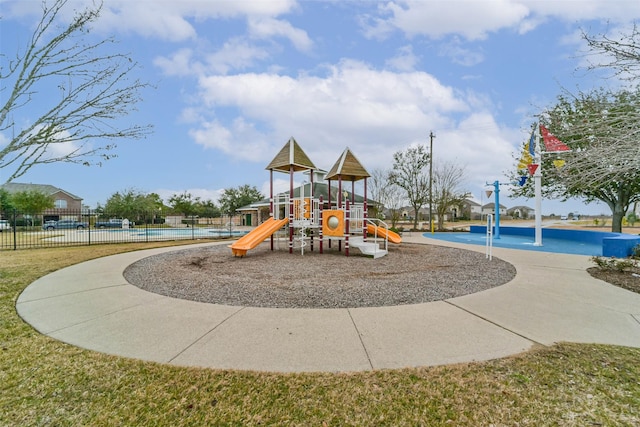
{"x": 367, "y": 248}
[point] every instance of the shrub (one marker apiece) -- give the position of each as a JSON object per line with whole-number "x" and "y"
{"x": 617, "y": 264}
{"x": 398, "y": 230}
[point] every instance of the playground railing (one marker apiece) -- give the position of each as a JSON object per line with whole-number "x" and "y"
{"x": 356, "y": 218}
{"x": 378, "y": 223}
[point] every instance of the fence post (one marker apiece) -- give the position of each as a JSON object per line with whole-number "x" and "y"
{"x": 15, "y": 234}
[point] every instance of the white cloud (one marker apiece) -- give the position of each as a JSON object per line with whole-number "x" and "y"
{"x": 459, "y": 54}
{"x": 162, "y": 19}
{"x": 474, "y": 20}
{"x": 405, "y": 59}
{"x": 265, "y": 27}
{"x": 170, "y": 20}
{"x": 179, "y": 63}
{"x": 374, "y": 113}
{"x": 240, "y": 133}
{"x": 280, "y": 185}
{"x": 470, "y": 19}
{"x": 235, "y": 54}
{"x": 480, "y": 144}
{"x": 570, "y": 11}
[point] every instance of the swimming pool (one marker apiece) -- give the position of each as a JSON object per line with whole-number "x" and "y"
{"x": 182, "y": 233}
{"x": 523, "y": 243}
{"x": 186, "y": 232}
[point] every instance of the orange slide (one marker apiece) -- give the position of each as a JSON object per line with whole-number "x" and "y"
{"x": 383, "y": 232}
{"x": 257, "y": 236}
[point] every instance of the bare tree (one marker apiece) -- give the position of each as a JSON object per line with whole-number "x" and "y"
{"x": 394, "y": 204}
{"x": 447, "y": 194}
{"x": 621, "y": 53}
{"x": 75, "y": 125}
{"x": 617, "y": 152}
{"x": 409, "y": 174}
{"x": 379, "y": 185}
{"x": 602, "y": 129}
{"x": 387, "y": 195}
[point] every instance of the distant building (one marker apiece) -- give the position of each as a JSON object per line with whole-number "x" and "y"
{"x": 489, "y": 208}
{"x": 66, "y": 205}
{"x": 521, "y": 212}
{"x": 470, "y": 209}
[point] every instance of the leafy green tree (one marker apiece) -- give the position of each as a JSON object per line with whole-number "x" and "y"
{"x": 234, "y": 198}
{"x": 32, "y": 201}
{"x": 184, "y": 203}
{"x": 131, "y": 204}
{"x": 207, "y": 209}
{"x": 601, "y": 128}
{"x": 6, "y": 205}
{"x": 62, "y": 94}
{"x": 409, "y": 173}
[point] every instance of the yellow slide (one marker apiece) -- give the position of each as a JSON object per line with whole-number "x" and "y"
{"x": 257, "y": 236}
{"x": 383, "y": 232}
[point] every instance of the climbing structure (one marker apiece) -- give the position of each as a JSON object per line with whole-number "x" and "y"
{"x": 340, "y": 218}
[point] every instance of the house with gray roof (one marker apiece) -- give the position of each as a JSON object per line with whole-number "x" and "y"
{"x": 66, "y": 205}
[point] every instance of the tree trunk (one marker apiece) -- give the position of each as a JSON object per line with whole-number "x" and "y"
{"x": 616, "y": 220}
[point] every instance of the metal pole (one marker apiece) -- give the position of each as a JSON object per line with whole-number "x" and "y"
{"x": 15, "y": 232}
{"x": 271, "y": 212}
{"x": 431, "y": 136}
{"x": 291, "y": 171}
{"x": 537, "y": 181}
{"x": 496, "y": 184}
{"x": 489, "y": 237}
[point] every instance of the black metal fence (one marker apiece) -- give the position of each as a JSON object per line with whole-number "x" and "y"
{"x": 21, "y": 230}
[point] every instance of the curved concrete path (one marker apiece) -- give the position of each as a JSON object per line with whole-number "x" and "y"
{"x": 551, "y": 299}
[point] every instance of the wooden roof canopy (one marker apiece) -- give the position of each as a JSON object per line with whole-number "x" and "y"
{"x": 291, "y": 155}
{"x": 347, "y": 168}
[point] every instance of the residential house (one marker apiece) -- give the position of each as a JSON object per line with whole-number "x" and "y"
{"x": 470, "y": 209}
{"x": 521, "y": 212}
{"x": 489, "y": 208}
{"x": 66, "y": 205}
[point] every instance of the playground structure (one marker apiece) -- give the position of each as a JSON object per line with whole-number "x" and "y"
{"x": 340, "y": 218}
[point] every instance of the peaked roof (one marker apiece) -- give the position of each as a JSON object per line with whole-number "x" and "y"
{"x": 291, "y": 155}
{"x": 14, "y": 187}
{"x": 348, "y": 168}
{"x": 319, "y": 189}
{"x": 493, "y": 205}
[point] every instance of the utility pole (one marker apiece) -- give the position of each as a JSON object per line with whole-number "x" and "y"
{"x": 431, "y": 136}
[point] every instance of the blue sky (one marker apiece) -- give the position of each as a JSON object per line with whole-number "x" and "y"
{"x": 234, "y": 80}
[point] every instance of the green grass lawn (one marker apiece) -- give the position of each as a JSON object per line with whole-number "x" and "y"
{"x": 44, "y": 382}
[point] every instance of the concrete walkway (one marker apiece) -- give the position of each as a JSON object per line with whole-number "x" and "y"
{"x": 551, "y": 299}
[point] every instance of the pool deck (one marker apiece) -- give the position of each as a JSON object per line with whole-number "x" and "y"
{"x": 551, "y": 299}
